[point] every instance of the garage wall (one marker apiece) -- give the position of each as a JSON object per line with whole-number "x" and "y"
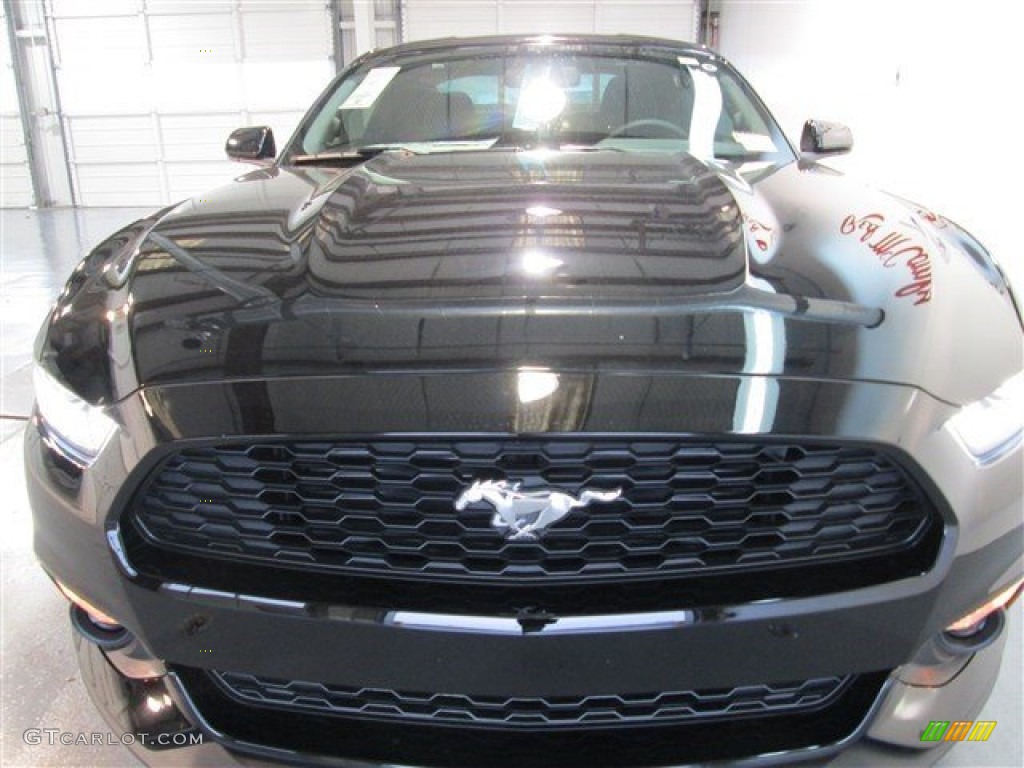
{"x": 368, "y": 24}
{"x": 150, "y": 89}
{"x": 924, "y": 84}
{"x": 443, "y": 18}
{"x": 15, "y": 178}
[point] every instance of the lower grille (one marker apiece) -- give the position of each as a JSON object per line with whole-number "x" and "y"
{"x": 383, "y": 510}
{"x": 619, "y": 709}
{"x": 313, "y": 729}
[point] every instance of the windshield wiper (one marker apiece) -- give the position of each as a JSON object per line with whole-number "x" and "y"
{"x": 355, "y": 155}
{"x": 348, "y": 156}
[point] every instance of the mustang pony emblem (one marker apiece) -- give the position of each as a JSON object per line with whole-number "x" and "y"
{"x": 526, "y": 514}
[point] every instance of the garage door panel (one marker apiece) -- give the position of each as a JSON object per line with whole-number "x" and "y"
{"x": 284, "y": 85}
{"x": 192, "y": 37}
{"x": 137, "y": 184}
{"x": 16, "y": 191}
{"x": 196, "y": 138}
{"x": 449, "y": 17}
{"x": 662, "y": 18}
{"x": 296, "y": 35}
{"x": 524, "y": 17}
{"x": 80, "y": 9}
{"x": 8, "y": 89}
{"x": 186, "y": 7}
{"x": 288, "y": 6}
{"x": 12, "y": 140}
{"x": 665, "y": 19}
{"x": 114, "y": 42}
{"x": 102, "y": 90}
{"x": 113, "y": 139}
{"x": 151, "y": 89}
{"x": 193, "y": 88}
{"x": 8, "y": 92}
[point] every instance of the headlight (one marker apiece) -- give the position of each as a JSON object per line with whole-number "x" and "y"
{"x": 81, "y": 429}
{"x": 990, "y": 427}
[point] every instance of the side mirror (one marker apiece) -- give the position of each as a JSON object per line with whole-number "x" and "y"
{"x": 823, "y": 138}
{"x": 254, "y": 144}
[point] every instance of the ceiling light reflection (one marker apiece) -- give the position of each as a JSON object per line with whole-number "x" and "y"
{"x": 542, "y": 211}
{"x": 541, "y": 101}
{"x": 538, "y": 263}
{"x": 533, "y": 385}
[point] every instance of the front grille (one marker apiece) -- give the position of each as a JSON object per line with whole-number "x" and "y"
{"x": 385, "y": 508}
{"x": 558, "y": 711}
{"x": 262, "y": 728}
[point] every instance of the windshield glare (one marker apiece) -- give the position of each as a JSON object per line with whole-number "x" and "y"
{"x": 680, "y": 103}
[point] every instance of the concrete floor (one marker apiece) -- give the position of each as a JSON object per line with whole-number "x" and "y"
{"x": 38, "y": 673}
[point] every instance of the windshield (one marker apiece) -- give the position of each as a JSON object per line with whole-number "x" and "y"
{"x": 558, "y": 98}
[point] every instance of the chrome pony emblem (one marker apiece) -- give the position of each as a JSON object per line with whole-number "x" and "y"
{"x": 524, "y": 515}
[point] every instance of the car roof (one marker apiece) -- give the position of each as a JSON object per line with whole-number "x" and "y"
{"x": 504, "y": 41}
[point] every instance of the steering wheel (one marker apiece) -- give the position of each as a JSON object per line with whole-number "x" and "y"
{"x": 651, "y": 122}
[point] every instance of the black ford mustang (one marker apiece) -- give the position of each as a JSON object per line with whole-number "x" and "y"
{"x": 538, "y": 406}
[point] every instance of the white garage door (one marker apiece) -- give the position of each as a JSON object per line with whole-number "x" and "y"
{"x": 443, "y": 18}
{"x": 15, "y": 180}
{"x": 150, "y": 89}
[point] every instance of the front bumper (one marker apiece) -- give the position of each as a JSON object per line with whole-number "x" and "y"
{"x": 888, "y": 735}
{"x": 867, "y": 632}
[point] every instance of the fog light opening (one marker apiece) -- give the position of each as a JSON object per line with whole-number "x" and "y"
{"x": 973, "y": 621}
{"x": 95, "y": 615}
{"x": 97, "y": 634}
{"x": 93, "y": 624}
{"x": 151, "y": 710}
{"x": 970, "y": 640}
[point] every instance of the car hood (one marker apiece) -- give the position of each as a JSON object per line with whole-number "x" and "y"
{"x": 563, "y": 260}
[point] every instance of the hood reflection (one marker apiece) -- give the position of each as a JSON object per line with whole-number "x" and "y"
{"x": 757, "y": 400}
